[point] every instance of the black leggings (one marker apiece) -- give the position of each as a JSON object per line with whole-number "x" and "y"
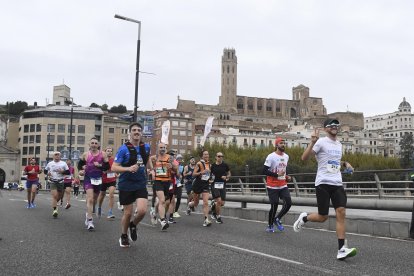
{"x": 287, "y": 203}
{"x": 154, "y": 195}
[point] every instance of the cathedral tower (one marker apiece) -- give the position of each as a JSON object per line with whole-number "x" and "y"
{"x": 228, "y": 98}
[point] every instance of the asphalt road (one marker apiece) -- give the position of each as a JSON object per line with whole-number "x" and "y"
{"x": 33, "y": 243}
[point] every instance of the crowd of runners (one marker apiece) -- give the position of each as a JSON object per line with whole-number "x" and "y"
{"x": 100, "y": 173}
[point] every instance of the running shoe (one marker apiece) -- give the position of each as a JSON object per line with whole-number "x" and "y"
{"x": 206, "y": 222}
{"x": 33, "y": 205}
{"x": 218, "y": 220}
{"x": 213, "y": 216}
{"x": 164, "y": 225}
{"x": 345, "y": 252}
{"x": 188, "y": 212}
{"x": 153, "y": 216}
{"x": 90, "y": 226}
{"x": 55, "y": 213}
{"x": 279, "y": 225}
{"x": 171, "y": 221}
{"x": 67, "y": 206}
{"x": 110, "y": 215}
{"x": 124, "y": 241}
{"x": 133, "y": 231}
{"x": 176, "y": 215}
{"x": 99, "y": 212}
{"x": 270, "y": 229}
{"x": 297, "y": 226}
{"x": 29, "y": 206}
{"x": 120, "y": 207}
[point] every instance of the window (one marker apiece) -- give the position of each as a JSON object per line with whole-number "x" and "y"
{"x": 25, "y": 139}
{"x": 60, "y": 148}
{"x": 37, "y": 150}
{"x": 71, "y": 141}
{"x": 51, "y": 127}
{"x": 24, "y": 150}
{"x": 73, "y": 128}
{"x": 51, "y": 139}
{"x": 81, "y": 128}
{"x": 183, "y": 133}
{"x": 31, "y": 150}
{"x": 61, "y": 128}
{"x": 268, "y": 106}
{"x": 26, "y": 128}
{"x": 81, "y": 140}
{"x": 110, "y": 141}
{"x": 31, "y": 139}
{"x": 174, "y": 123}
{"x": 174, "y": 142}
{"x": 81, "y": 149}
{"x": 50, "y": 148}
{"x": 183, "y": 142}
{"x": 32, "y": 127}
{"x": 97, "y": 128}
{"x": 61, "y": 139}
{"x": 189, "y": 143}
{"x": 111, "y": 130}
{"x": 38, "y": 127}
{"x": 24, "y": 161}
{"x": 183, "y": 124}
{"x": 190, "y": 126}
{"x": 174, "y": 132}
{"x": 38, "y": 139}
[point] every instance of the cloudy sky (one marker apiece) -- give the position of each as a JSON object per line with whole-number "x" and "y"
{"x": 356, "y": 55}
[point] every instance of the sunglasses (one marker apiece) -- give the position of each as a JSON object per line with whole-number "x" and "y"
{"x": 220, "y": 156}
{"x": 333, "y": 125}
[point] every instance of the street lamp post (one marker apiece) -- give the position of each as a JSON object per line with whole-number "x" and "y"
{"x": 137, "y": 65}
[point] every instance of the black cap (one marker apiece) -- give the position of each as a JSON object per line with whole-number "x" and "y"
{"x": 171, "y": 152}
{"x": 330, "y": 121}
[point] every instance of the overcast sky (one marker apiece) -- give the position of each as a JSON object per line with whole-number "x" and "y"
{"x": 356, "y": 55}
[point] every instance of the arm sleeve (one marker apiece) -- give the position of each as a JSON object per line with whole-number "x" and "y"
{"x": 81, "y": 163}
{"x": 105, "y": 166}
{"x": 266, "y": 171}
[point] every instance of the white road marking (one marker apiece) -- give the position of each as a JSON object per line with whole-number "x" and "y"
{"x": 327, "y": 271}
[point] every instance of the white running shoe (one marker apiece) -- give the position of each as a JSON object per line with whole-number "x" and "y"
{"x": 90, "y": 225}
{"x": 345, "y": 252}
{"x": 176, "y": 215}
{"x": 164, "y": 225}
{"x": 297, "y": 226}
{"x": 153, "y": 216}
{"x": 206, "y": 223}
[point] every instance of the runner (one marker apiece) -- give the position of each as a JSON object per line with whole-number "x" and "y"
{"x": 32, "y": 171}
{"x": 328, "y": 183}
{"x": 188, "y": 181}
{"x": 276, "y": 184}
{"x": 201, "y": 186}
{"x": 162, "y": 167}
{"x": 179, "y": 185}
{"x": 91, "y": 165}
{"x": 170, "y": 204}
{"x": 76, "y": 184}
{"x": 130, "y": 163}
{"x": 108, "y": 183}
{"x": 67, "y": 181}
{"x": 55, "y": 170}
{"x": 220, "y": 175}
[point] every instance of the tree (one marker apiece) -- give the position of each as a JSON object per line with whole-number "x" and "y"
{"x": 118, "y": 109}
{"x": 407, "y": 150}
{"x": 94, "y": 105}
{"x": 104, "y": 107}
{"x": 16, "y": 108}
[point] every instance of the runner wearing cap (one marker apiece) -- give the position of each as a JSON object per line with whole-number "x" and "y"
{"x": 328, "y": 183}
{"x": 276, "y": 184}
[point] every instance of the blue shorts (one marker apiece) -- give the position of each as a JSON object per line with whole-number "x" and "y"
{"x": 30, "y": 183}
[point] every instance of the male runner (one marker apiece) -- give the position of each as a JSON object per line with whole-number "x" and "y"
{"x": 67, "y": 182}
{"x": 130, "y": 162}
{"x": 276, "y": 184}
{"x": 188, "y": 180}
{"x": 220, "y": 175}
{"x": 328, "y": 183}
{"x": 91, "y": 165}
{"x": 32, "y": 171}
{"x": 179, "y": 185}
{"x": 108, "y": 183}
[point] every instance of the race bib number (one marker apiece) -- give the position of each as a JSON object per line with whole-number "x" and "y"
{"x": 171, "y": 187}
{"x": 96, "y": 181}
{"x": 179, "y": 184}
{"x": 205, "y": 177}
{"x": 161, "y": 171}
{"x": 67, "y": 177}
{"x": 110, "y": 175}
{"x": 333, "y": 166}
{"x": 219, "y": 185}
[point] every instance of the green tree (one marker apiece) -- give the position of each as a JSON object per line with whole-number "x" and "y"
{"x": 104, "y": 107}
{"x": 118, "y": 109}
{"x": 407, "y": 150}
{"x": 16, "y": 108}
{"x": 94, "y": 105}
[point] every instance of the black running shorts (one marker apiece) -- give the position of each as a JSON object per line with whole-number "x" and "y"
{"x": 325, "y": 193}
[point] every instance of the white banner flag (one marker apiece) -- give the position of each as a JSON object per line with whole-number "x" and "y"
{"x": 207, "y": 129}
{"x": 165, "y": 129}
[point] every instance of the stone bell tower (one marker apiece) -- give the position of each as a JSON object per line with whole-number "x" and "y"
{"x": 228, "y": 98}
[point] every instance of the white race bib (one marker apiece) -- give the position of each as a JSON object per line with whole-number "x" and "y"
{"x": 333, "y": 166}
{"x": 179, "y": 184}
{"x": 171, "y": 187}
{"x": 161, "y": 171}
{"x": 96, "y": 181}
{"x": 111, "y": 175}
{"x": 219, "y": 185}
{"x": 205, "y": 177}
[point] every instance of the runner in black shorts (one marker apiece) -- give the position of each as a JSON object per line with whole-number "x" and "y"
{"x": 220, "y": 174}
